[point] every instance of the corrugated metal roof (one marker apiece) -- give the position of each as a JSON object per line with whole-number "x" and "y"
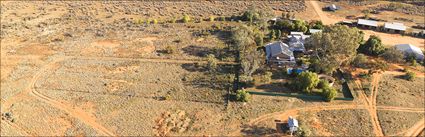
{"x": 277, "y": 48}
{"x": 395, "y": 26}
{"x": 314, "y": 30}
{"x": 367, "y": 22}
{"x": 409, "y": 48}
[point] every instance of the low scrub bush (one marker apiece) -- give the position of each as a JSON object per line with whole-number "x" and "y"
{"x": 243, "y": 95}
{"x": 171, "y": 49}
{"x": 186, "y": 18}
{"x": 410, "y": 76}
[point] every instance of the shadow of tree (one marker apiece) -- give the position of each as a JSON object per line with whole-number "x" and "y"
{"x": 257, "y": 131}
{"x": 198, "y": 51}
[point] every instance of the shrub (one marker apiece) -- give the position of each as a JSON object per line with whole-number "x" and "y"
{"x": 410, "y": 57}
{"x": 154, "y": 21}
{"x": 360, "y": 61}
{"x": 170, "y": 49}
{"x": 329, "y": 93}
{"x": 410, "y": 76}
{"x": 222, "y": 18}
{"x": 212, "y": 18}
{"x": 212, "y": 62}
{"x": 306, "y": 81}
{"x": 373, "y": 46}
{"x": 243, "y": 95}
{"x": 186, "y": 18}
{"x": 264, "y": 78}
{"x": 393, "y": 55}
{"x": 303, "y": 131}
{"x": 173, "y": 20}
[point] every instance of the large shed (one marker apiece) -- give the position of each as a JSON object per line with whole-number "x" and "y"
{"x": 371, "y": 24}
{"x": 394, "y": 27}
{"x": 410, "y": 49}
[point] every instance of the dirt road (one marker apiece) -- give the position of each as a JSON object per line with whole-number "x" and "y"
{"x": 368, "y": 103}
{"x": 387, "y": 39}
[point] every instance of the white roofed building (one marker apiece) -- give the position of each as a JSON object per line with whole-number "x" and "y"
{"x": 410, "y": 49}
{"x": 394, "y": 27}
{"x": 367, "y": 23}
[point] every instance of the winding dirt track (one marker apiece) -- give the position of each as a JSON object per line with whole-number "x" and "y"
{"x": 75, "y": 111}
{"x": 367, "y": 103}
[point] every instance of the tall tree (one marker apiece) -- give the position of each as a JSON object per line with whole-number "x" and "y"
{"x": 373, "y": 46}
{"x": 334, "y": 46}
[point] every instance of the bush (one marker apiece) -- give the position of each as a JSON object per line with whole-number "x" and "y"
{"x": 186, "y": 18}
{"x": 264, "y": 78}
{"x": 373, "y": 46}
{"x": 410, "y": 57}
{"x": 222, "y": 18}
{"x": 329, "y": 93}
{"x": 170, "y": 49}
{"x": 360, "y": 61}
{"x": 410, "y": 76}
{"x": 243, "y": 95}
{"x": 173, "y": 20}
{"x": 393, "y": 55}
{"x": 212, "y": 18}
{"x": 306, "y": 81}
{"x": 154, "y": 21}
{"x": 212, "y": 63}
{"x": 303, "y": 131}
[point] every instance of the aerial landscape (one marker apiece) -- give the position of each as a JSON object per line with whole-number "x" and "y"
{"x": 212, "y": 68}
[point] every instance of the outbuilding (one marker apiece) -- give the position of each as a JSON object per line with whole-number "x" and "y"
{"x": 410, "y": 49}
{"x": 394, "y": 27}
{"x": 371, "y": 24}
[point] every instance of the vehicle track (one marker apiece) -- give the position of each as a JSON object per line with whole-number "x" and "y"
{"x": 73, "y": 111}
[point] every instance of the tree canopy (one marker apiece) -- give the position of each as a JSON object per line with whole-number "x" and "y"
{"x": 334, "y": 46}
{"x": 306, "y": 81}
{"x": 373, "y": 46}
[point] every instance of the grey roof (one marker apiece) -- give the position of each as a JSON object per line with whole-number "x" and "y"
{"x": 296, "y": 43}
{"x": 333, "y": 7}
{"x": 395, "y": 26}
{"x": 276, "y": 48}
{"x": 367, "y": 22}
{"x": 314, "y": 30}
{"x": 409, "y": 48}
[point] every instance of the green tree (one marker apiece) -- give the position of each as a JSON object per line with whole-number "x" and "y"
{"x": 212, "y": 63}
{"x": 300, "y": 25}
{"x": 316, "y": 24}
{"x": 306, "y": 81}
{"x": 186, "y": 18}
{"x": 329, "y": 93}
{"x": 393, "y": 55}
{"x": 278, "y": 34}
{"x": 323, "y": 84}
{"x": 373, "y": 46}
{"x": 284, "y": 25}
{"x": 243, "y": 95}
{"x": 251, "y": 61}
{"x": 154, "y": 21}
{"x": 334, "y": 46}
{"x": 244, "y": 42}
{"x": 272, "y": 35}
